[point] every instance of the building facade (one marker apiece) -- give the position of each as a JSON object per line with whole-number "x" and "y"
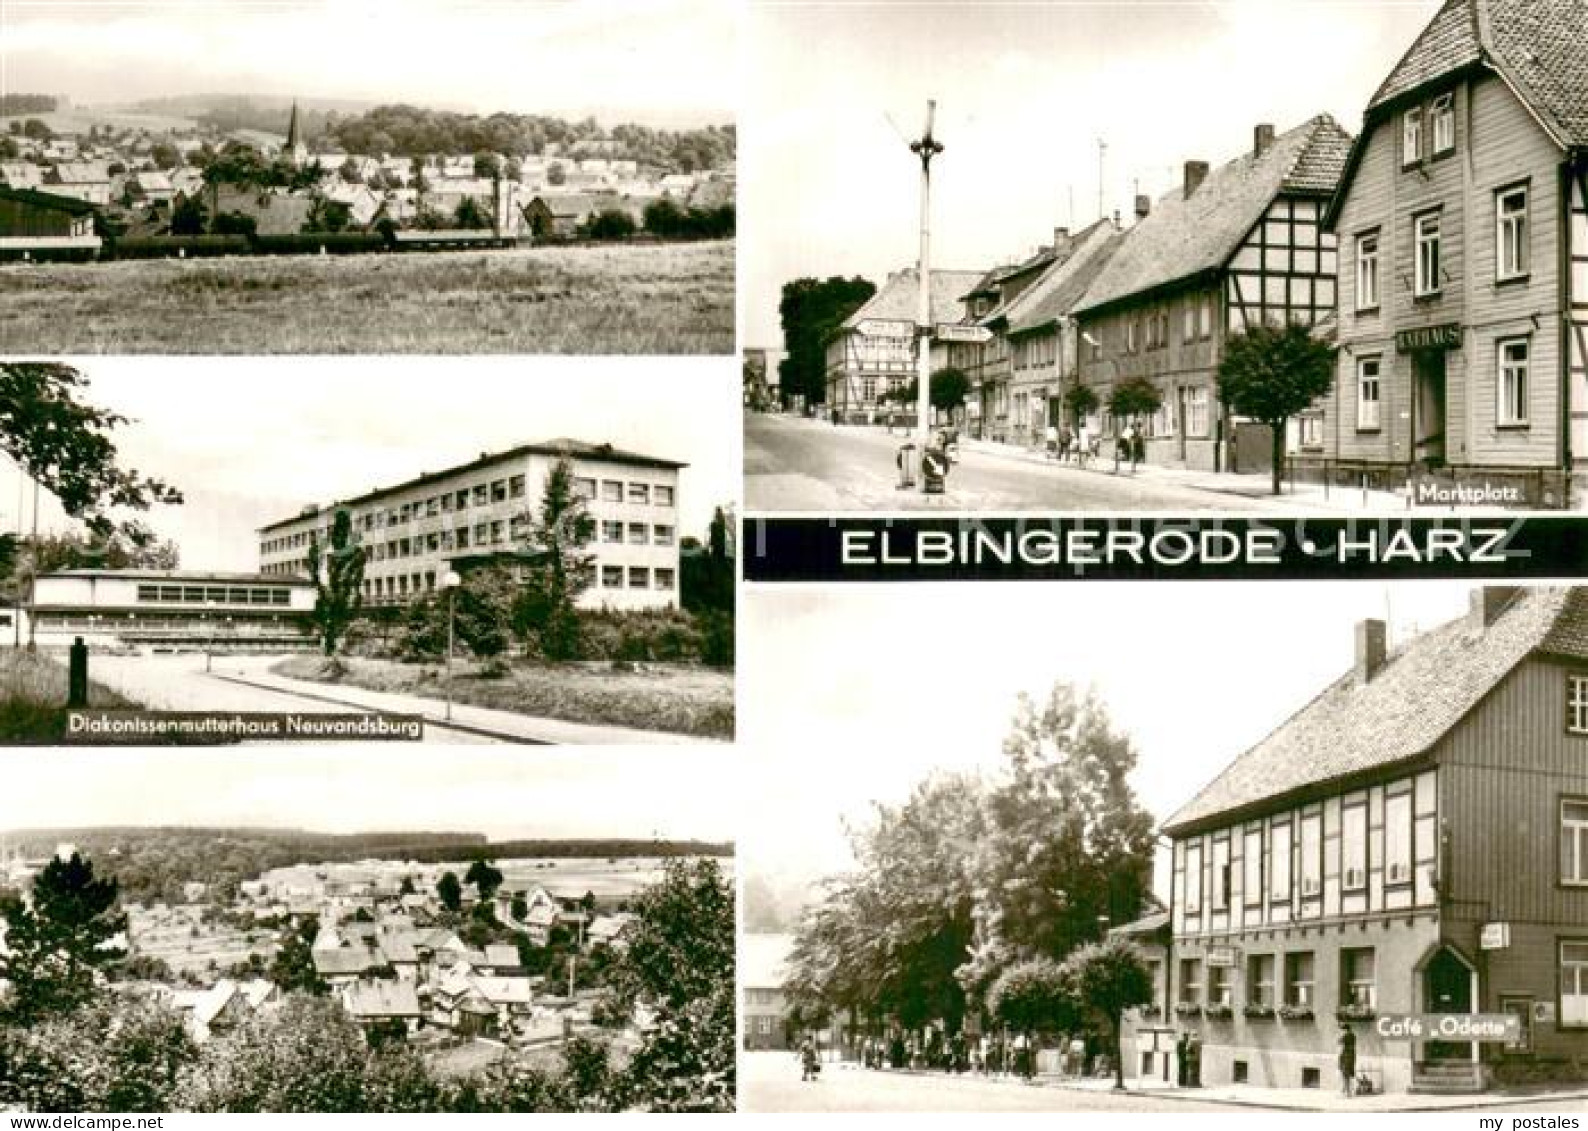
{"x": 873, "y": 353}
{"x": 1463, "y": 226}
{"x": 1414, "y": 841}
{"x": 763, "y": 967}
{"x": 415, "y": 532}
{"x": 171, "y": 608}
{"x": 1234, "y": 247}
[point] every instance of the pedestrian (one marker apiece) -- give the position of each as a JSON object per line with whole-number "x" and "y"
{"x": 810, "y": 1065}
{"x": 1347, "y": 1058}
{"x": 1084, "y": 447}
{"x": 1053, "y": 441}
{"x": 1125, "y": 448}
{"x": 1066, "y": 442}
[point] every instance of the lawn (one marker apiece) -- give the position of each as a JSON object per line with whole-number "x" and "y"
{"x": 679, "y": 698}
{"x": 33, "y": 698}
{"x": 600, "y": 299}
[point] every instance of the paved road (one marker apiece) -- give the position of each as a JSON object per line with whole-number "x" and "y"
{"x": 791, "y": 464}
{"x": 180, "y": 683}
{"x": 771, "y": 1082}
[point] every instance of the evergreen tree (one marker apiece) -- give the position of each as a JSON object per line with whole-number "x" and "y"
{"x": 450, "y": 892}
{"x": 58, "y": 947}
{"x": 559, "y": 532}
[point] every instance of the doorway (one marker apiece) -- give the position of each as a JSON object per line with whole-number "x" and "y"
{"x": 1447, "y": 988}
{"x": 1428, "y": 408}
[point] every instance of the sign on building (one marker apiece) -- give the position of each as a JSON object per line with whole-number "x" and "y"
{"x": 953, "y": 332}
{"x": 1449, "y": 1026}
{"x": 1495, "y": 936}
{"x": 1445, "y": 336}
{"x": 1221, "y": 956}
{"x": 885, "y": 328}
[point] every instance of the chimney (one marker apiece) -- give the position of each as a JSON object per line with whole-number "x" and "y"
{"x": 1486, "y": 604}
{"x": 1143, "y": 206}
{"x": 1195, "y": 173}
{"x": 1061, "y": 238}
{"x": 1372, "y": 648}
{"x": 1262, "y": 138}
{"x": 1116, "y": 219}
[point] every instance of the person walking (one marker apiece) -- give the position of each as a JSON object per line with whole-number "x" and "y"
{"x": 1084, "y": 447}
{"x": 1347, "y": 1058}
{"x": 810, "y": 1065}
{"x": 1053, "y": 441}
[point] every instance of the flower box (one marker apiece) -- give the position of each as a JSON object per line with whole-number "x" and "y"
{"x": 1259, "y": 1012}
{"x": 1355, "y": 1013}
{"x": 1296, "y": 1013}
{"x": 1218, "y": 1012}
{"x": 1187, "y": 1009}
{"x": 1148, "y": 1011}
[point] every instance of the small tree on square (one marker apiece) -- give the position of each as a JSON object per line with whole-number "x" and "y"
{"x": 1271, "y": 373}
{"x": 1111, "y": 977}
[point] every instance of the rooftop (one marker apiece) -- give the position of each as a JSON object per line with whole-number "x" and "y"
{"x": 897, "y": 298}
{"x": 1425, "y": 687}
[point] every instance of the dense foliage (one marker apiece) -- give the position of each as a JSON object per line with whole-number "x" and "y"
{"x": 1273, "y": 373}
{"x": 812, "y": 310}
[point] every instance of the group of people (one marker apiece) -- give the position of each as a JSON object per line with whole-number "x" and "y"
{"x": 1084, "y": 444}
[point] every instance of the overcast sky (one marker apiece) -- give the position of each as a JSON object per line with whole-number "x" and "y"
{"x": 251, "y": 440}
{"x": 1024, "y": 93}
{"x": 659, "y": 60}
{"x": 854, "y": 694}
{"x": 550, "y": 792}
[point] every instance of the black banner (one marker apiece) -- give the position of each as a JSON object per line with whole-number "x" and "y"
{"x": 1033, "y": 548}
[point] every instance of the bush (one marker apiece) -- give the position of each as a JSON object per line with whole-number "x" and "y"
{"x": 663, "y": 636}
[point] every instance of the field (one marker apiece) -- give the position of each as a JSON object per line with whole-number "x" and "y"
{"x": 663, "y": 697}
{"x": 33, "y": 697}
{"x": 608, "y": 299}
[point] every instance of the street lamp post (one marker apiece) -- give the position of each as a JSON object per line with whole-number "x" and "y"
{"x": 926, "y": 148}
{"x": 450, "y": 582}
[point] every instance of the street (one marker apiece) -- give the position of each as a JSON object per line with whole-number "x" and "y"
{"x": 795, "y": 464}
{"x": 770, "y": 1081}
{"x": 180, "y": 683}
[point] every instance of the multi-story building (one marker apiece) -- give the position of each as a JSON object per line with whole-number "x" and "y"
{"x": 1414, "y": 841}
{"x": 1462, "y": 216}
{"x": 873, "y": 352}
{"x": 1231, "y": 248}
{"x": 415, "y": 532}
{"x": 179, "y": 608}
{"x": 762, "y": 969}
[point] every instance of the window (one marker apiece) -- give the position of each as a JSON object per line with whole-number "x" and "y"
{"x": 499, "y": 491}
{"x": 1279, "y": 863}
{"x": 1574, "y": 983}
{"x": 1260, "y": 980}
{"x": 515, "y": 486}
{"x": 1411, "y": 136}
{"x": 1188, "y": 331}
{"x": 1311, "y": 430}
{"x": 481, "y": 495}
{"x": 639, "y": 577}
{"x": 498, "y": 532}
{"x": 1220, "y": 989}
{"x": 611, "y": 531}
{"x": 1193, "y": 879}
{"x": 1573, "y": 842}
{"x": 1398, "y": 838}
{"x": 664, "y": 579}
{"x": 1252, "y": 867}
{"x": 1510, "y": 233}
{"x": 1367, "y": 271}
{"x": 637, "y": 533}
{"x": 639, "y": 492}
{"x": 611, "y": 577}
{"x": 1299, "y": 978}
{"x": 1221, "y": 875}
{"x": 1511, "y": 385}
{"x": 1427, "y": 239}
{"x": 1190, "y": 981}
{"x": 1196, "y": 411}
{"x": 1367, "y": 394}
{"x": 585, "y": 489}
{"x": 1442, "y": 120}
{"x": 463, "y": 499}
{"x": 482, "y": 533}
{"x": 611, "y": 491}
{"x": 662, "y": 496}
{"x": 1353, "y": 847}
{"x": 463, "y": 537}
{"x": 1312, "y": 855}
{"x": 1205, "y": 326}
{"x": 1577, "y": 704}
{"x": 1356, "y": 977}
{"x": 664, "y": 535}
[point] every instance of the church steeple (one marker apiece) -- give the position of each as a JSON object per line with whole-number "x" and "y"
{"x": 295, "y": 147}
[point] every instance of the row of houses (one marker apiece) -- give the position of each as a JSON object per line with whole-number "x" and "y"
{"x": 1444, "y": 250}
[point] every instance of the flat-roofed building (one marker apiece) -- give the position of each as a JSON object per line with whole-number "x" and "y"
{"x": 238, "y": 611}
{"x": 481, "y": 512}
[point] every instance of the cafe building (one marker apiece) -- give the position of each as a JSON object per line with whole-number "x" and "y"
{"x": 1407, "y": 851}
{"x": 1462, "y": 227}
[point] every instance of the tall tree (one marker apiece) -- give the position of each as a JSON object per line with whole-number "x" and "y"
{"x": 811, "y": 311}
{"x": 58, "y": 946}
{"x": 292, "y": 970}
{"x": 338, "y": 573}
{"x": 1272, "y": 373}
{"x": 485, "y": 876}
{"x": 450, "y": 892}
{"x": 64, "y": 444}
{"x": 1110, "y": 977}
{"x": 560, "y": 530}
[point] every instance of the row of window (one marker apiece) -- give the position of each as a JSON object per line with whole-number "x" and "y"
{"x": 1511, "y": 253}
{"x": 618, "y": 491}
{"x": 1149, "y": 330}
{"x": 1283, "y": 859}
{"x": 1297, "y": 987}
{"x": 212, "y": 595}
{"x": 495, "y": 533}
{"x": 1512, "y": 385}
{"x": 1428, "y": 131}
{"x": 608, "y": 577}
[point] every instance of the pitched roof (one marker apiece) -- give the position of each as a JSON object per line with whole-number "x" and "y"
{"x": 49, "y": 200}
{"x": 897, "y": 298}
{"x": 1537, "y": 44}
{"x": 274, "y": 214}
{"x": 1423, "y": 690}
{"x": 500, "y": 954}
{"x": 1066, "y": 279}
{"x": 1184, "y": 236}
{"x": 347, "y": 960}
{"x": 381, "y": 999}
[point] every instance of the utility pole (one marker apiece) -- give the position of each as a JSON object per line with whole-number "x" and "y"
{"x": 926, "y": 148}
{"x": 1102, "y": 150}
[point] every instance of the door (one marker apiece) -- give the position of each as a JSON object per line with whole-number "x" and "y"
{"x": 1447, "y": 988}
{"x": 1428, "y": 408}
{"x": 1522, "y": 1009}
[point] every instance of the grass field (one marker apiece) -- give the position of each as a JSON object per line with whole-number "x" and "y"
{"x": 663, "y": 697}
{"x": 610, "y": 299}
{"x": 33, "y": 698}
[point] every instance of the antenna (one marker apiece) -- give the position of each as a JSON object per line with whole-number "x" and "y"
{"x": 1102, "y": 151}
